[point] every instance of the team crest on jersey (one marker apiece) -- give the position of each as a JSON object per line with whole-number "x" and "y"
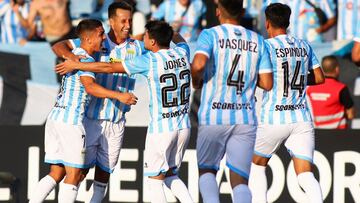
{"x": 290, "y": 40}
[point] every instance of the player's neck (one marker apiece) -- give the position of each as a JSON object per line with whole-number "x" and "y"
{"x": 158, "y": 48}
{"x": 277, "y": 32}
{"x": 87, "y": 48}
{"x": 115, "y": 38}
{"x": 229, "y": 21}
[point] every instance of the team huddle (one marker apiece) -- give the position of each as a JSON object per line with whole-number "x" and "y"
{"x": 86, "y": 126}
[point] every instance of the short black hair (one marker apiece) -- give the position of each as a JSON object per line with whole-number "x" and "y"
{"x": 329, "y": 63}
{"x": 160, "y": 31}
{"x": 234, "y": 8}
{"x": 87, "y": 25}
{"x": 278, "y": 15}
{"x": 119, "y": 5}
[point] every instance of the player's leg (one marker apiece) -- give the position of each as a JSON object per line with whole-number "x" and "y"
{"x": 239, "y": 151}
{"x": 176, "y": 151}
{"x": 69, "y": 188}
{"x": 110, "y": 142}
{"x": 52, "y": 154}
{"x": 47, "y": 183}
{"x": 210, "y": 149}
{"x": 267, "y": 142}
{"x": 301, "y": 144}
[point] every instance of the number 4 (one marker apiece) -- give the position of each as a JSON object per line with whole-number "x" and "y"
{"x": 239, "y": 81}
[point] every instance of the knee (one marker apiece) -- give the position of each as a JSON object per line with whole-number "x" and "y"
{"x": 203, "y": 171}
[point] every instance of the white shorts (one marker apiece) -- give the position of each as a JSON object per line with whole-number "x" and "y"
{"x": 104, "y": 140}
{"x": 165, "y": 151}
{"x": 65, "y": 144}
{"x": 236, "y": 141}
{"x": 300, "y": 140}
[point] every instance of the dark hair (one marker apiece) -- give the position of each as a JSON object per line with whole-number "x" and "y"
{"x": 119, "y": 5}
{"x": 329, "y": 63}
{"x": 278, "y": 14}
{"x": 87, "y": 25}
{"x": 234, "y": 8}
{"x": 160, "y": 31}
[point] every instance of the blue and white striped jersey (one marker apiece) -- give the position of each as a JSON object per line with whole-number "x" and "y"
{"x": 112, "y": 109}
{"x": 168, "y": 75}
{"x": 348, "y": 18}
{"x": 236, "y": 57}
{"x": 72, "y": 98}
{"x": 291, "y": 60}
{"x": 11, "y": 29}
{"x": 304, "y": 19}
{"x": 172, "y": 11}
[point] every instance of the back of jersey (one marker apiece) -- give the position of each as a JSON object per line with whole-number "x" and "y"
{"x": 236, "y": 57}
{"x": 291, "y": 61}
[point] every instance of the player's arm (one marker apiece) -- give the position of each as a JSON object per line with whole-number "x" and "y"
{"x": 96, "y": 90}
{"x": 23, "y": 22}
{"x": 32, "y": 13}
{"x": 355, "y": 54}
{"x": 177, "y": 38}
{"x": 95, "y": 67}
{"x": 265, "y": 81}
{"x": 347, "y": 102}
{"x": 315, "y": 76}
{"x": 63, "y": 49}
{"x": 329, "y": 23}
{"x": 197, "y": 69}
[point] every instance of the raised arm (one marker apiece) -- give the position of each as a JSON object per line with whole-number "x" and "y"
{"x": 63, "y": 49}
{"x": 177, "y": 38}
{"x": 96, "y": 67}
{"x": 316, "y": 76}
{"x": 96, "y": 90}
{"x": 197, "y": 69}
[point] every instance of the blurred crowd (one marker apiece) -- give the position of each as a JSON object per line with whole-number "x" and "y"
{"x": 313, "y": 20}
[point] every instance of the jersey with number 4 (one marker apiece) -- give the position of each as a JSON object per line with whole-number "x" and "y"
{"x": 291, "y": 59}
{"x": 168, "y": 75}
{"x": 236, "y": 57}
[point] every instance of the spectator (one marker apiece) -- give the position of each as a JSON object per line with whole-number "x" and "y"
{"x": 14, "y": 28}
{"x": 184, "y": 16}
{"x": 348, "y": 18}
{"x": 304, "y": 21}
{"x": 331, "y": 102}
{"x": 54, "y": 17}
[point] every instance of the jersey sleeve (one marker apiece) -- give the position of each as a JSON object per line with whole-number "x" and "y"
{"x": 313, "y": 61}
{"x": 264, "y": 59}
{"x": 184, "y": 46}
{"x": 160, "y": 12}
{"x": 137, "y": 65}
{"x": 75, "y": 42}
{"x": 87, "y": 73}
{"x": 204, "y": 44}
{"x": 142, "y": 48}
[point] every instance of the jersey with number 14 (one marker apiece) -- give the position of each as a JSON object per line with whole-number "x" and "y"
{"x": 236, "y": 57}
{"x": 291, "y": 60}
{"x": 168, "y": 75}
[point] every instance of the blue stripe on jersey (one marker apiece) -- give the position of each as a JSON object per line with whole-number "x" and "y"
{"x": 275, "y": 86}
{"x": 158, "y": 91}
{"x": 224, "y": 77}
{"x": 247, "y": 79}
{"x": 79, "y": 101}
{"x": 283, "y": 99}
{"x": 294, "y": 94}
{"x": 14, "y": 30}
{"x": 71, "y": 94}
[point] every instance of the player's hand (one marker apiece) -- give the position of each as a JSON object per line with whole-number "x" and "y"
{"x": 66, "y": 67}
{"x": 128, "y": 98}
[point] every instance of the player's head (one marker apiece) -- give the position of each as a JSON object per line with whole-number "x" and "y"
{"x": 184, "y": 2}
{"x": 158, "y": 34}
{"x": 277, "y": 16}
{"x": 120, "y": 18}
{"x": 230, "y": 9}
{"x": 91, "y": 33}
{"x": 330, "y": 66}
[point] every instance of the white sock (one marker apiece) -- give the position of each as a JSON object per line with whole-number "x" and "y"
{"x": 208, "y": 188}
{"x": 178, "y": 188}
{"x": 258, "y": 183}
{"x": 43, "y": 188}
{"x": 98, "y": 190}
{"x": 311, "y": 187}
{"x": 241, "y": 194}
{"x": 157, "y": 190}
{"x": 67, "y": 193}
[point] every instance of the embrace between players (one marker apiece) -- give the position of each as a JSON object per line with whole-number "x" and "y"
{"x": 83, "y": 131}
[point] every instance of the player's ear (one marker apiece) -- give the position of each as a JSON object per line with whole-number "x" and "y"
{"x": 152, "y": 42}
